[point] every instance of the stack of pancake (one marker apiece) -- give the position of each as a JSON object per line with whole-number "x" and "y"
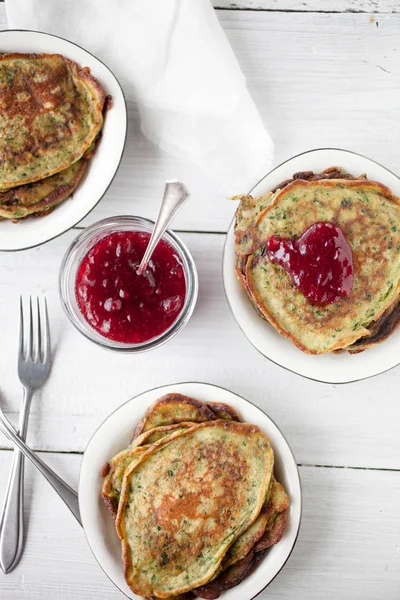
{"x": 369, "y": 216}
{"x": 51, "y": 115}
{"x": 195, "y": 500}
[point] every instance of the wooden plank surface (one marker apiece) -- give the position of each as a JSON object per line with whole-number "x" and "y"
{"x": 328, "y": 6}
{"x": 319, "y": 80}
{"x": 335, "y": 425}
{"x": 348, "y": 546}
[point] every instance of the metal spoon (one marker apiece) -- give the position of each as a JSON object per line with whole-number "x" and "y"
{"x": 175, "y": 196}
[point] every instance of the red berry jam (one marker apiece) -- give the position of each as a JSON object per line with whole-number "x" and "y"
{"x": 122, "y": 305}
{"x": 319, "y": 262}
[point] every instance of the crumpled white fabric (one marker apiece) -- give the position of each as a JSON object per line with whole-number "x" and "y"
{"x": 171, "y": 57}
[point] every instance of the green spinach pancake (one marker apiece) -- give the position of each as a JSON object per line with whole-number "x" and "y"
{"x": 51, "y": 116}
{"x": 368, "y": 215}
{"x": 177, "y": 516}
{"x": 196, "y": 502}
{"x": 41, "y": 197}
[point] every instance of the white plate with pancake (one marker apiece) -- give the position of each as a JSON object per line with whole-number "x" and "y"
{"x": 115, "y": 434}
{"x": 326, "y": 368}
{"x": 102, "y": 167}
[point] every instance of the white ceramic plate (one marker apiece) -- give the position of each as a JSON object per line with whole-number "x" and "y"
{"x": 114, "y": 435}
{"x": 102, "y": 168}
{"x": 328, "y": 368}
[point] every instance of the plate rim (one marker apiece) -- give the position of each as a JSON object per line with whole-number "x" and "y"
{"x": 210, "y": 385}
{"x": 227, "y": 239}
{"x": 52, "y": 35}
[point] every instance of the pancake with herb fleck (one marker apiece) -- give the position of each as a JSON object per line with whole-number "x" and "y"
{"x": 42, "y": 197}
{"x": 277, "y": 502}
{"x": 171, "y": 409}
{"x": 248, "y": 551}
{"x": 166, "y": 409}
{"x": 39, "y": 198}
{"x": 369, "y": 216}
{"x": 51, "y": 110}
{"x": 113, "y": 471}
{"x": 245, "y": 552}
{"x": 173, "y": 527}
{"x": 153, "y": 435}
{"x": 230, "y": 577}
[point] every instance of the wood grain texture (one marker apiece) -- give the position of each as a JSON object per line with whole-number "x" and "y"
{"x": 335, "y": 425}
{"x": 328, "y": 6}
{"x": 348, "y": 546}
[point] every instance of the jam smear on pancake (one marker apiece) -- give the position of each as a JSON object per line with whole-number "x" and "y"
{"x": 319, "y": 262}
{"x": 122, "y": 305}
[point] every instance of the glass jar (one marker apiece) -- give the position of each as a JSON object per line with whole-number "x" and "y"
{"x": 78, "y": 250}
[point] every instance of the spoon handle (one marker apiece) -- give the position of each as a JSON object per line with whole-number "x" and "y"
{"x": 67, "y": 494}
{"x": 175, "y": 195}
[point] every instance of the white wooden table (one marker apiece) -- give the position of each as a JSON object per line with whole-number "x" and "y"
{"x": 323, "y": 73}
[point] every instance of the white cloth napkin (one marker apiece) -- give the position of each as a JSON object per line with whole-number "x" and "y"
{"x": 173, "y": 59}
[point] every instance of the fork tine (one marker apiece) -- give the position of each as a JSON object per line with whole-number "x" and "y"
{"x": 46, "y": 351}
{"x": 30, "y": 331}
{"x": 21, "y": 329}
{"x": 38, "y": 333}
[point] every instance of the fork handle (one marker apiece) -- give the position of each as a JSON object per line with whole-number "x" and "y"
{"x": 12, "y": 518}
{"x": 65, "y": 492}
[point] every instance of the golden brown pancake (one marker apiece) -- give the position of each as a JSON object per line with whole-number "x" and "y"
{"x": 211, "y": 467}
{"x": 276, "y": 502}
{"x": 42, "y": 196}
{"x": 173, "y": 527}
{"x": 369, "y": 216}
{"x": 51, "y": 110}
{"x": 171, "y": 409}
{"x": 113, "y": 471}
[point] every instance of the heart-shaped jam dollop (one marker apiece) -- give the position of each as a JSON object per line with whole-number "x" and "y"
{"x": 319, "y": 262}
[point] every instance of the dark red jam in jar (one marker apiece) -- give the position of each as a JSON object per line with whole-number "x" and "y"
{"x": 122, "y": 305}
{"x": 319, "y": 262}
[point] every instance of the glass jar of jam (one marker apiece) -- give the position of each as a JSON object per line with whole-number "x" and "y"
{"x": 105, "y": 298}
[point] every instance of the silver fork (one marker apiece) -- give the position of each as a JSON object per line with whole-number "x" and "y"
{"x": 33, "y": 369}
